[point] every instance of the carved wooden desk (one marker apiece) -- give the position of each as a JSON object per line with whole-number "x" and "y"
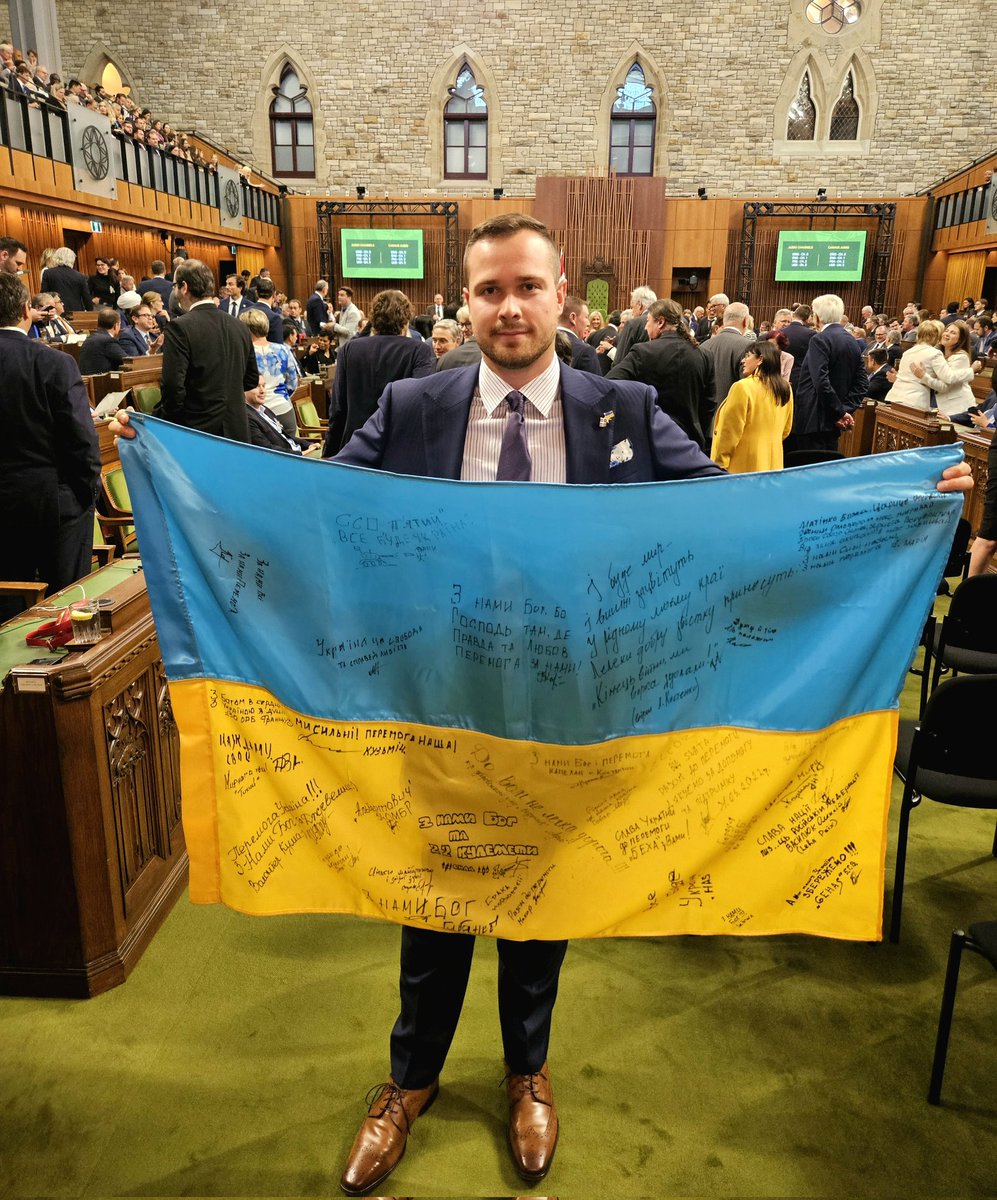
{"x": 92, "y": 854}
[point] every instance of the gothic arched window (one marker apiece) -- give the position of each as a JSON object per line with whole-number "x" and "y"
{"x": 465, "y": 129}
{"x": 802, "y": 114}
{"x": 845, "y": 114}
{"x": 632, "y": 125}
{"x": 292, "y": 143}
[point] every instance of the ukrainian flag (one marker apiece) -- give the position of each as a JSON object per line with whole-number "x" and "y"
{"x": 538, "y": 711}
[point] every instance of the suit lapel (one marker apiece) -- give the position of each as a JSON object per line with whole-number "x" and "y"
{"x": 588, "y": 437}
{"x": 446, "y": 410}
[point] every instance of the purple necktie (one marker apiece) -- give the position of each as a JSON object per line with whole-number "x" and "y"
{"x": 514, "y": 459}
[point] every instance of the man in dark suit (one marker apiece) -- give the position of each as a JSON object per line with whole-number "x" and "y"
{"x": 366, "y": 365}
{"x": 49, "y": 460}
{"x": 264, "y": 428}
{"x": 579, "y": 428}
{"x": 575, "y": 323}
{"x": 436, "y": 309}
{"x": 137, "y": 338}
{"x": 157, "y": 282}
{"x": 102, "y": 352}
{"x": 62, "y": 277}
{"x": 317, "y": 309}
{"x": 265, "y": 291}
{"x": 233, "y": 303}
{"x": 878, "y": 369}
{"x": 555, "y": 425}
{"x": 725, "y": 349}
{"x": 634, "y": 331}
{"x": 798, "y": 334}
{"x": 832, "y": 382}
{"x": 677, "y": 369}
{"x": 208, "y": 361}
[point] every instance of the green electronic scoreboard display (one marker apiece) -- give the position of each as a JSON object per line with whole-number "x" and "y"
{"x": 381, "y": 253}
{"x": 820, "y": 256}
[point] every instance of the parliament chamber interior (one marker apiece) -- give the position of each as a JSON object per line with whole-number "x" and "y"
{"x": 159, "y": 1047}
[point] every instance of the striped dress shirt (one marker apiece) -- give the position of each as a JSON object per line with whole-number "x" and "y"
{"x": 544, "y": 426}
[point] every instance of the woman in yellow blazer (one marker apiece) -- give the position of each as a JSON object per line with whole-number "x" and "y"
{"x": 756, "y": 415}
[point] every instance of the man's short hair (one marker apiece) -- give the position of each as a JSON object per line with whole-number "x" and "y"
{"x": 390, "y": 312}
{"x": 573, "y": 305}
{"x": 257, "y": 321}
{"x": 137, "y": 310}
{"x": 347, "y": 291}
{"x": 13, "y": 296}
{"x": 107, "y": 318}
{"x": 507, "y": 225}
{"x": 720, "y": 298}
{"x": 829, "y": 308}
{"x": 735, "y": 313}
{"x": 985, "y": 322}
{"x": 322, "y": 286}
{"x": 264, "y": 289}
{"x": 877, "y": 355}
{"x": 643, "y": 295}
{"x": 159, "y": 267}
{"x": 198, "y": 278}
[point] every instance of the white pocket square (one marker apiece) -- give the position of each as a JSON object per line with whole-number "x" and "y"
{"x": 622, "y": 452}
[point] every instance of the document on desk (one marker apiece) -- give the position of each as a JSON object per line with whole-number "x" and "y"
{"x": 538, "y": 711}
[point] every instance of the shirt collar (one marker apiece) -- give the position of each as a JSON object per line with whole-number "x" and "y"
{"x": 198, "y": 303}
{"x": 13, "y": 329}
{"x": 540, "y": 390}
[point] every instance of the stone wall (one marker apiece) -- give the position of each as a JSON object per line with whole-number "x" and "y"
{"x": 724, "y": 77}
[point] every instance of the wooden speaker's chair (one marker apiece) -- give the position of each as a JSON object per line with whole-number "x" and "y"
{"x": 947, "y": 757}
{"x": 118, "y": 508}
{"x": 982, "y": 940}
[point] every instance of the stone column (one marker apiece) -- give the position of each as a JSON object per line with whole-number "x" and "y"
{"x": 34, "y": 25}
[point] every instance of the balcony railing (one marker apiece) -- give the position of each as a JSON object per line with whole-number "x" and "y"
{"x": 45, "y": 131}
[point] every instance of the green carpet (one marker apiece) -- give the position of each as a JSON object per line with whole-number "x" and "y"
{"x": 235, "y": 1060}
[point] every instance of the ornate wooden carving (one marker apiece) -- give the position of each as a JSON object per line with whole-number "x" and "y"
{"x": 169, "y": 748}
{"x": 139, "y": 826}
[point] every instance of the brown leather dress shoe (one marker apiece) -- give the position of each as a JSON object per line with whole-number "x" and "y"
{"x": 533, "y": 1124}
{"x": 380, "y": 1144}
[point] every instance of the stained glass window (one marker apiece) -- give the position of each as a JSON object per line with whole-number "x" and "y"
{"x": 291, "y": 131}
{"x": 845, "y": 115}
{"x": 802, "y": 114}
{"x": 833, "y": 15}
{"x": 465, "y": 129}
{"x": 632, "y": 126}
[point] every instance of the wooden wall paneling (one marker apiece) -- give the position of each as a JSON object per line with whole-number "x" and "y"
{"x": 24, "y": 170}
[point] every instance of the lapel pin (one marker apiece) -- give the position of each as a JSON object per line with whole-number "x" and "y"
{"x": 606, "y": 420}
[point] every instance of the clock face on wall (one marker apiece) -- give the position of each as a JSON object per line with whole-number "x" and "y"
{"x": 232, "y": 198}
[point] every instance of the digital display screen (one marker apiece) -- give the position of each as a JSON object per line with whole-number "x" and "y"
{"x": 381, "y": 253}
{"x": 821, "y": 256}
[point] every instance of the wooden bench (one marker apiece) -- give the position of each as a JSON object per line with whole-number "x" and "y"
{"x": 84, "y": 322}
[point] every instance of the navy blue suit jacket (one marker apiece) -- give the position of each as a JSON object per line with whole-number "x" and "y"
{"x": 833, "y": 381}
{"x": 276, "y": 333}
{"x": 420, "y": 425}
{"x": 132, "y": 342}
{"x": 583, "y": 356}
{"x": 364, "y": 368}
